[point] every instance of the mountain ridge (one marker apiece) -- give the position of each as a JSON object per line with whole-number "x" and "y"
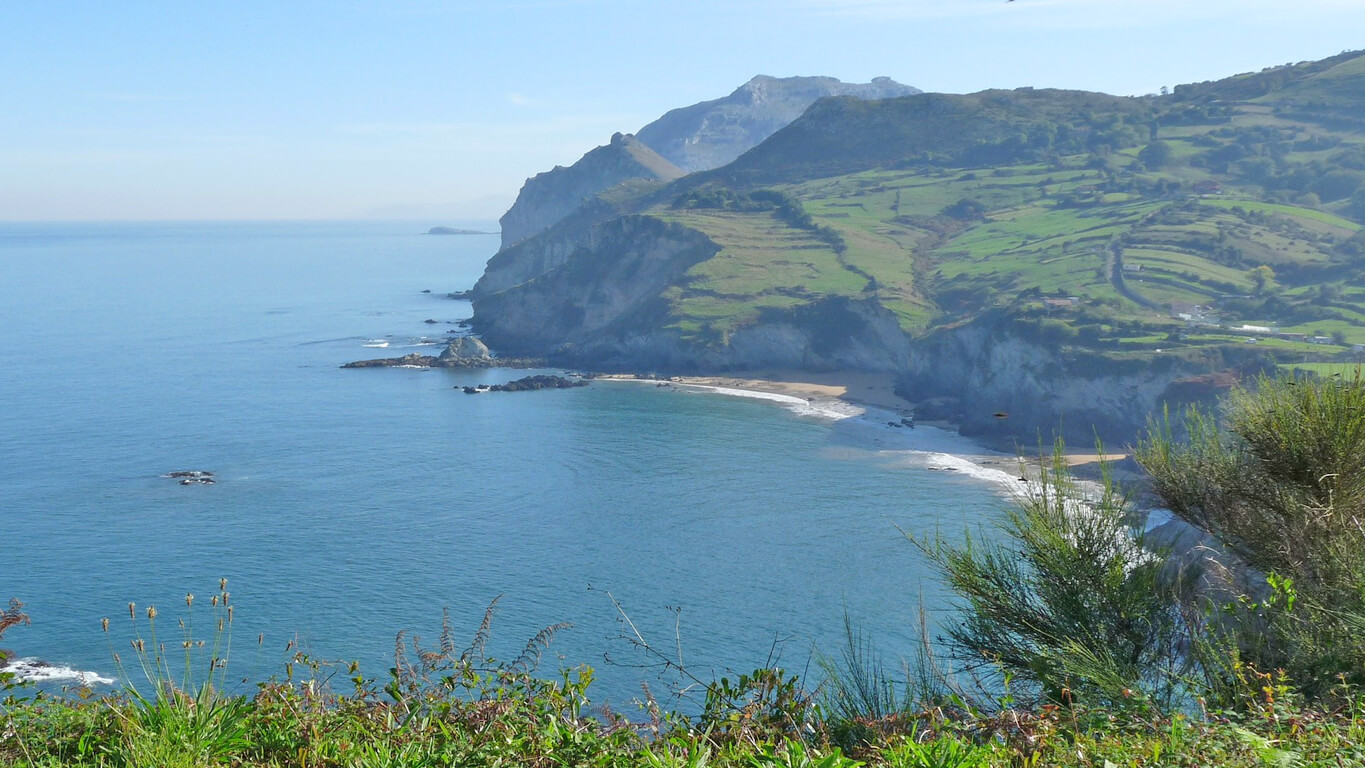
{"x": 698, "y": 137}
{"x": 1092, "y": 231}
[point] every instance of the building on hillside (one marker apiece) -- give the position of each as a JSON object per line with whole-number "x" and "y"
{"x": 1207, "y": 187}
{"x": 1194, "y": 314}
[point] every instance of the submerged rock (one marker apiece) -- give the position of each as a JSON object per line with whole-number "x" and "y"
{"x": 192, "y": 476}
{"x": 190, "y": 473}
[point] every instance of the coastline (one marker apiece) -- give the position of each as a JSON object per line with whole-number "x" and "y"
{"x": 866, "y": 390}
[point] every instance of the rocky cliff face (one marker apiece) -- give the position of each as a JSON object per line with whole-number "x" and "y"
{"x": 998, "y": 383}
{"x": 545, "y": 250}
{"x": 602, "y": 306}
{"x": 608, "y": 285}
{"x": 712, "y": 133}
{"x": 548, "y": 197}
{"x": 699, "y": 137}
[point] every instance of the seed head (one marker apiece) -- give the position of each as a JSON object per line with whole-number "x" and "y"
{"x": 189, "y": 598}
{"x": 151, "y": 611}
{"x": 104, "y": 624}
{"x": 229, "y": 614}
{"x": 131, "y": 608}
{"x": 214, "y": 601}
{"x": 222, "y": 584}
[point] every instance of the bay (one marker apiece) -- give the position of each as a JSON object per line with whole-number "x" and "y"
{"x": 352, "y": 504}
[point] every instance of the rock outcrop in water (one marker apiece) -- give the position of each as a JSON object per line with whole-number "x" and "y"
{"x": 461, "y": 352}
{"x": 466, "y": 348}
{"x": 531, "y": 383}
{"x": 192, "y": 476}
{"x": 456, "y": 231}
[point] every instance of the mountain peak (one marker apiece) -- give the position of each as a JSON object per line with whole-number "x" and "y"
{"x": 712, "y": 133}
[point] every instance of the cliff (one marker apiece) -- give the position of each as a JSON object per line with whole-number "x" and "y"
{"x": 997, "y": 381}
{"x": 700, "y": 137}
{"x": 548, "y": 197}
{"x": 606, "y": 305}
{"x": 712, "y": 133}
{"x": 1028, "y": 261}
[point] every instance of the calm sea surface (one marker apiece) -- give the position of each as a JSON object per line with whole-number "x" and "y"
{"x": 352, "y": 504}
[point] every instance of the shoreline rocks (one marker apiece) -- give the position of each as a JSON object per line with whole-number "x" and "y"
{"x": 460, "y": 352}
{"x": 529, "y": 384}
{"x": 416, "y": 360}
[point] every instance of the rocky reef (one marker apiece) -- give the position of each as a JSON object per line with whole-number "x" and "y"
{"x": 461, "y": 352}
{"x": 529, "y": 384}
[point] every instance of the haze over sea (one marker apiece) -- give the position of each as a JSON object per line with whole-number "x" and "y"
{"x": 352, "y": 504}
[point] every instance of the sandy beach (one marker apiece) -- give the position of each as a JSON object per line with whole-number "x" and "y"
{"x": 874, "y": 390}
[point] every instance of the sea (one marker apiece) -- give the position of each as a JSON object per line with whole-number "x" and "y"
{"x": 718, "y": 530}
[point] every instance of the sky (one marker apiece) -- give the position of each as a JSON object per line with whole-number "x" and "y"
{"x": 440, "y": 110}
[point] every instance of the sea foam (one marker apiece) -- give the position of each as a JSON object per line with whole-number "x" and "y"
{"x": 39, "y": 671}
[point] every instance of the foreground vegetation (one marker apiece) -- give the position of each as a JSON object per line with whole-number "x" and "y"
{"x": 1080, "y": 643}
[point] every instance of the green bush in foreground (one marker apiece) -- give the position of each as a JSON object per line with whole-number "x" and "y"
{"x": 1068, "y": 605}
{"x": 1281, "y": 485}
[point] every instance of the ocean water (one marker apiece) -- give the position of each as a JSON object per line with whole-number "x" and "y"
{"x": 352, "y": 504}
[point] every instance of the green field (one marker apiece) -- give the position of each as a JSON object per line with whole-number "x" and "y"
{"x": 1093, "y": 211}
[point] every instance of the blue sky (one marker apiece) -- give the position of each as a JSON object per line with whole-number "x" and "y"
{"x": 439, "y": 110}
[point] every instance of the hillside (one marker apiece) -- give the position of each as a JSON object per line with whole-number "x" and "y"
{"x": 1215, "y": 227}
{"x": 703, "y": 136}
{"x": 548, "y": 197}
{"x": 712, "y": 133}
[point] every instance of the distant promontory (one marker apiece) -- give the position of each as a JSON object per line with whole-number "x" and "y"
{"x": 457, "y": 231}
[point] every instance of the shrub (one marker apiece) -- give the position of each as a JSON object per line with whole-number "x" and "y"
{"x": 1280, "y": 481}
{"x": 1067, "y": 603}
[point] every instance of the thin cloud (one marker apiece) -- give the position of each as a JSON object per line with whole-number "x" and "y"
{"x": 518, "y": 99}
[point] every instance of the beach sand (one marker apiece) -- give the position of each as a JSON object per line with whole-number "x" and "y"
{"x": 877, "y": 390}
